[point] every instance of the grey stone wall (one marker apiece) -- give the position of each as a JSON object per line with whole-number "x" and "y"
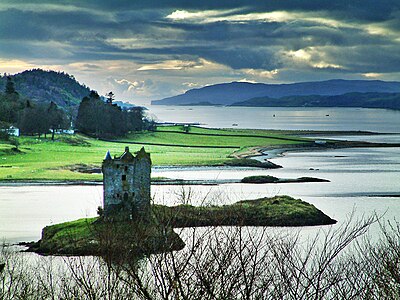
{"x": 127, "y": 186}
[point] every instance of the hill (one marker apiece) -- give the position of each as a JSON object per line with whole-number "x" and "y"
{"x": 229, "y": 93}
{"x": 45, "y": 86}
{"x": 366, "y": 100}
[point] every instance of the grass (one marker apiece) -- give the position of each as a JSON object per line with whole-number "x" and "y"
{"x": 94, "y": 236}
{"x": 73, "y": 237}
{"x": 275, "y": 211}
{"x": 51, "y": 160}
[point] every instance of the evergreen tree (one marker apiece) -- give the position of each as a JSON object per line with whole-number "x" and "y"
{"x": 110, "y": 97}
{"x": 10, "y": 103}
{"x": 106, "y": 119}
{"x": 91, "y": 118}
{"x": 10, "y": 88}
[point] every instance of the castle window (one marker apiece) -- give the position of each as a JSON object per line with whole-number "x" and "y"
{"x": 126, "y": 168}
{"x": 133, "y": 194}
{"x": 118, "y": 196}
{"x": 126, "y": 197}
{"x": 123, "y": 177}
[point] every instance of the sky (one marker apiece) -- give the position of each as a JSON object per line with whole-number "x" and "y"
{"x": 147, "y": 50}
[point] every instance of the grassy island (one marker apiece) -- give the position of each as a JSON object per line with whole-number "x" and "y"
{"x": 275, "y": 211}
{"x": 259, "y": 179}
{"x": 94, "y": 236}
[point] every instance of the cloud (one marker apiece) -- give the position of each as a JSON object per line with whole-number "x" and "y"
{"x": 201, "y": 16}
{"x": 14, "y": 66}
{"x": 172, "y": 65}
{"x": 134, "y": 87}
{"x": 191, "y": 85}
{"x": 150, "y": 49}
{"x": 262, "y": 73}
{"x": 372, "y": 75}
{"x": 315, "y": 57}
{"x": 86, "y": 67}
{"x": 234, "y": 16}
{"x": 246, "y": 80}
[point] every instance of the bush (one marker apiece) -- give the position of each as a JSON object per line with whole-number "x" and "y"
{"x": 223, "y": 263}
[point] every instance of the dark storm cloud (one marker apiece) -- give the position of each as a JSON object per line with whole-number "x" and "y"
{"x": 295, "y": 37}
{"x": 370, "y": 10}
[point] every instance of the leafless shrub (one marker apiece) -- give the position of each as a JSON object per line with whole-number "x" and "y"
{"x": 223, "y": 263}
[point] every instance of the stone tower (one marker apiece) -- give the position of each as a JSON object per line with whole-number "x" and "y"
{"x": 126, "y": 181}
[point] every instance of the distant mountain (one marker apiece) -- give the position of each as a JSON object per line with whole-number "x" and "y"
{"x": 229, "y": 93}
{"x": 45, "y": 86}
{"x": 366, "y": 100}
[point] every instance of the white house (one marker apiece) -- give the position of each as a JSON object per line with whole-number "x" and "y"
{"x": 14, "y": 131}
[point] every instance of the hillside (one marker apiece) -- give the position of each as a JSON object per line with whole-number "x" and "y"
{"x": 229, "y": 93}
{"x": 366, "y": 100}
{"x": 45, "y": 86}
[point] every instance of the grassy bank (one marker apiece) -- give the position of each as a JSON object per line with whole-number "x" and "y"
{"x": 92, "y": 236}
{"x": 275, "y": 211}
{"x": 43, "y": 159}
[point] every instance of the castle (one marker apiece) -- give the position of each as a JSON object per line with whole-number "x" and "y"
{"x": 126, "y": 181}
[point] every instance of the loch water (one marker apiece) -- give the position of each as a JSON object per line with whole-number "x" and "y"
{"x": 363, "y": 180}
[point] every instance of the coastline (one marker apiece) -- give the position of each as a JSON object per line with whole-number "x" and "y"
{"x": 273, "y": 152}
{"x": 262, "y": 154}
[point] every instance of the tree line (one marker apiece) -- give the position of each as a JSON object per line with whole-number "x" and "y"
{"x": 105, "y": 119}
{"x": 29, "y": 117}
{"x": 94, "y": 116}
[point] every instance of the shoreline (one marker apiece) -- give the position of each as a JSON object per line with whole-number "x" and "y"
{"x": 262, "y": 154}
{"x": 273, "y": 152}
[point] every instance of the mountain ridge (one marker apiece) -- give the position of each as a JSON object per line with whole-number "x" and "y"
{"x": 45, "y": 86}
{"x": 229, "y": 93}
{"x": 364, "y": 100}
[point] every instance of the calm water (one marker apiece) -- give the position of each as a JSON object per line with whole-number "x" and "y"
{"x": 25, "y": 210}
{"x": 367, "y": 180}
{"x": 299, "y": 118}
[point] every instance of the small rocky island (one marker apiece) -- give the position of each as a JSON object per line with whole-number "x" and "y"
{"x": 129, "y": 223}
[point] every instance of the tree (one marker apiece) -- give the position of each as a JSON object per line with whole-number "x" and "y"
{"x": 10, "y": 103}
{"x": 110, "y": 97}
{"x": 34, "y": 119}
{"x": 10, "y": 89}
{"x": 101, "y": 119}
{"x": 136, "y": 118}
{"x": 56, "y": 118}
{"x": 89, "y": 117}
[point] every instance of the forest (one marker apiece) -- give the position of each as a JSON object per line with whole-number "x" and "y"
{"x": 93, "y": 116}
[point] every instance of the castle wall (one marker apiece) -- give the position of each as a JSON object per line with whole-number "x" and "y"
{"x": 127, "y": 185}
{"x": 141, "y": 184}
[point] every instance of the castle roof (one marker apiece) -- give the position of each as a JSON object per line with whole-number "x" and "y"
{"x": 126, "y": 156}
{"x": 108, "y": 156}
{"x": 142, "y": 154}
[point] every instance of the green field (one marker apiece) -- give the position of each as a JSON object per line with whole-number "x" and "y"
{"x": 52, "y": 160}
